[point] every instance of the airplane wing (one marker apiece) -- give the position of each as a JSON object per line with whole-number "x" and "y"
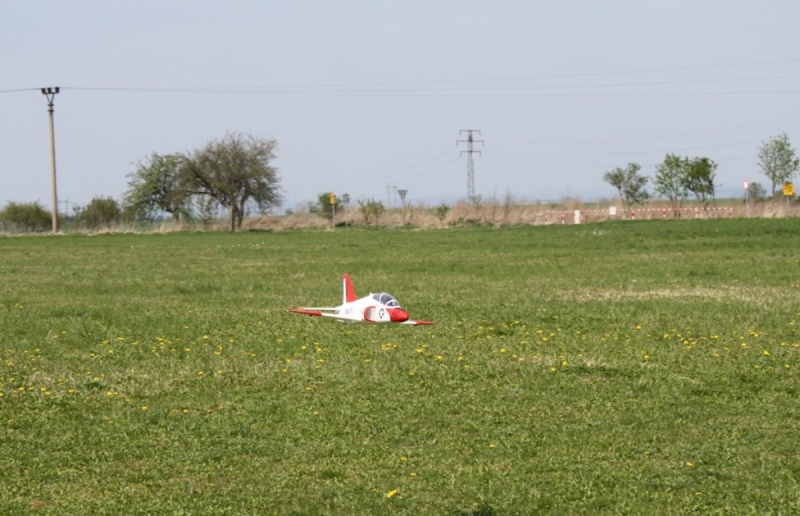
{"x": 316, "y": 311}
{"x": 418, "y": 323}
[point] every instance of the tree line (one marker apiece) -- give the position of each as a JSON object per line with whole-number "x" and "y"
{"x": 677, "y": 177}
{"x": 234, "y": 172}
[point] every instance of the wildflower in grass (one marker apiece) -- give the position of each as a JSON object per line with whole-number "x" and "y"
{"x": 491, "y": 445}
{"x": 392, "y": 493}
{"x": 412, "y": 474}
{"x": 689, "y": 465}
{"x": 766, "y": 353}
{"x": 186, "y": 411}
{"x": 553, "y": 369}
{"x": 144, "y": 407}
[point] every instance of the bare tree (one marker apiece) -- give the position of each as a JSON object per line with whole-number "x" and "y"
{"x": 234, "y": 171}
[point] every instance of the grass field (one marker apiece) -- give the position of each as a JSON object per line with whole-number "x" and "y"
{"x": 618, "y": 368}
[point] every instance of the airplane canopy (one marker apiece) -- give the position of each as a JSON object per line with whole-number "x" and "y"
{"x": 386, "y": 299}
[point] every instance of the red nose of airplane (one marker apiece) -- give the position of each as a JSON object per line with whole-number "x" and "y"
{"x": 398, "y": 315}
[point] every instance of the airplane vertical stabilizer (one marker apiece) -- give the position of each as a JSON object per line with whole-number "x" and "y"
{"x": 349, "y": 293}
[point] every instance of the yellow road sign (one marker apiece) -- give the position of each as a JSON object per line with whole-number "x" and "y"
{"x": 788, "y": 189}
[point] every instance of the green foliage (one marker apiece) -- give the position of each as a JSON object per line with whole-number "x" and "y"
{"x": 101, "y": 212}
{"x": 323, "y": 206}
{"x": 441, "y": 212}
{"x": 234, "y": 171}
{"x": 756, "y": 192}
{"x": 670, "y": 180}
{"x": 699, "y": 179}
{"x": 371, "y": 210}
{"x": 155, "y": 187}
{"x": 645, "y": 367}
{"x": 25, "y": 218}
{"x": 629, "y": 183}
{"x": 778, "y": 161}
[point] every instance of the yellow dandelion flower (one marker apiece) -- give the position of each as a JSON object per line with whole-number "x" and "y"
{"x": 689, "y": 465}
{"x": 392, "y": 493}
{"x": 766, "y": 353}
{"x": 144, "y": 407}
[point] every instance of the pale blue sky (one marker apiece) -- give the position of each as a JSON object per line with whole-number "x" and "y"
{"x": 364, "y": 94}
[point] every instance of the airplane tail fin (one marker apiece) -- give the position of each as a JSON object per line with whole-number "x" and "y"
{"x": 349, "y": 293}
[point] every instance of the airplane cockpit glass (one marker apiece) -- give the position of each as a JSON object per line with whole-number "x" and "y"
{"x": 386, "y": 299}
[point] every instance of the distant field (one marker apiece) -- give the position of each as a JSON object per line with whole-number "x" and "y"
{"x": 646, "y": 367}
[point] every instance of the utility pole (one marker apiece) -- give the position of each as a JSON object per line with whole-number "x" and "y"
{"x": 345, "y": 201}
{"x": 50, "y": 93}
{"x": 470, "y": 163}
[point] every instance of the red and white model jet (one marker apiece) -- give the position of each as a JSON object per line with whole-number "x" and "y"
{"x": 374, "y": 308}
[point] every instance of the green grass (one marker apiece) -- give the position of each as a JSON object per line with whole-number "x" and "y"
{"x": 617, "y": 368}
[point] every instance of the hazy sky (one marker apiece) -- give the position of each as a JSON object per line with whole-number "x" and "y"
{"x": 364, "y": 94}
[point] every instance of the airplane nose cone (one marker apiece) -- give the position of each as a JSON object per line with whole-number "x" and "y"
{"x": 398, "y": 315}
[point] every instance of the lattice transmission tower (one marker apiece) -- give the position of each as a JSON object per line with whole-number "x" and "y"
{"x": 470, "y": 162}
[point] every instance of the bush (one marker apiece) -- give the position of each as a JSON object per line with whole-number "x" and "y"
{"x": 100, "y": 212}
{"x": 25, "y": 217}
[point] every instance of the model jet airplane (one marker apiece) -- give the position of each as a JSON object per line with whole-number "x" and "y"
{"x": 374, "y": 308}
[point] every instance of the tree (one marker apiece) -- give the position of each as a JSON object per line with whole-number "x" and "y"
{"x": 100, "y": 212}
{"x": 323, "y": 206}
{"x": 756, "y": 192}
{"x": 156, "y": 187}
{"x": 629, "y": 183}
{"x": 670, "y": 181}
{"x": 699, "y": 179}
{"x": 25, "y": 217}
{"x": 234, "y": 171}
{"x": 777, "y": 161}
